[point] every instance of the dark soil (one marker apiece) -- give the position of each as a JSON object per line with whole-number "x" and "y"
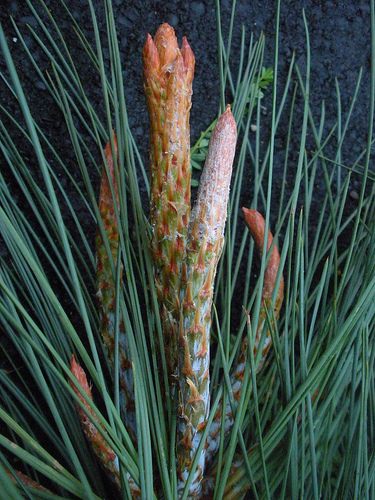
{"x": 340, "y": 46}
{"x": 339, "y": 37}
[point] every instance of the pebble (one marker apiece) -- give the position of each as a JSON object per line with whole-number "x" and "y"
{"x": 30, "y": 20}
{"x": 13, "y": 8}
{"x": 40, "y": 85}
{"x": 354, "y": 195}
{"x": 124, "y": 21}
{"x": 173, "y": 20}
{"x": 198, "y": 8}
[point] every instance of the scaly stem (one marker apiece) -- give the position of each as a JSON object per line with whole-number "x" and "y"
{"x": 168, "y": 74}
{"x": 99, "y": 445}
{"x": 106, "y": 287}
{"x": 204, "y": 247}
{"x": 107, "y": 457}
{"x": 256, "y": 225}
{"x": 18, "y": 476}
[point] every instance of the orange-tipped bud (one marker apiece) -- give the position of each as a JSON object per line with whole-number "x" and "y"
{"x": 107, "y": 457}
{"x": 105, "y": 187}
{"x": 166, "y": 44}
{"x": 151, "y": 60}
{"x": 256, "y": 224}
{"x": 26, "y": 480}
{"x": 188, "y": 57}
{"x": 101, "y": 448}
{"x": 161, "y": 54}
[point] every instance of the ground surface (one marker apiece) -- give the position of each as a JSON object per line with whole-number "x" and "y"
{"x": 339, "y": 37}
{"x": 340, "y": 46}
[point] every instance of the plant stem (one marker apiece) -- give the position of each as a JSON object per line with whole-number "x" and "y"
{"x": 168, "y": 74}
{"x": 204, "y": 247}
{"x": 107, "y": 247}
{"x": 256, "y": 225}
